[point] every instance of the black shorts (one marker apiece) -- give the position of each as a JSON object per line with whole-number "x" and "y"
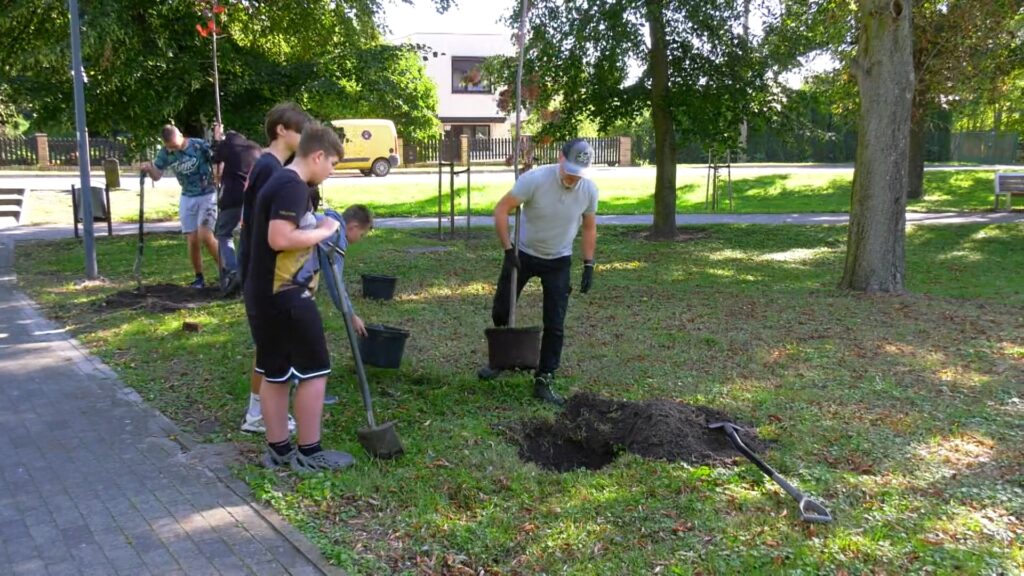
{"x": 290, "y": 342}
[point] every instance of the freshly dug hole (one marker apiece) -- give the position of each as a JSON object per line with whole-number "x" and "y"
{"x": 161, "y": 298}
{"x": 592, "y": 431}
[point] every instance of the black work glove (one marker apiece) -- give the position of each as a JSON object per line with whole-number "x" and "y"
{"x": 588, "y": 276}
{"x": 511, "y": 259}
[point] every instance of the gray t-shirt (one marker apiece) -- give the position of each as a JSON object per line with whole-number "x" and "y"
{"x": 552, "y": 213}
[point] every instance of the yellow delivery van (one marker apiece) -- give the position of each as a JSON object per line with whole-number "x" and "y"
{"x": 371, "y": 146}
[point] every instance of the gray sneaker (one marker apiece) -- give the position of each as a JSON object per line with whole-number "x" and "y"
{"x": 272, "y": 460}
{"x": 329, "y": 460}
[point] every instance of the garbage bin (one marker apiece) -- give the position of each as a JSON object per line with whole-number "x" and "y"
{"x": 99, "y": 203}
{"x": 100, "y": 207}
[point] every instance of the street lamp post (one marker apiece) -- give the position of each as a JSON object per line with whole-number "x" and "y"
{"x": 89, "y": 237}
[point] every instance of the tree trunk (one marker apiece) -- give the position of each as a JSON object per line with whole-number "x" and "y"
{"x": 915, "y": 178}
{"x": 664, "y": 130}
{"x": 885, "y": 80}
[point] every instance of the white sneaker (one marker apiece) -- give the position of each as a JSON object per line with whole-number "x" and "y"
{"x": 256, "y": 425}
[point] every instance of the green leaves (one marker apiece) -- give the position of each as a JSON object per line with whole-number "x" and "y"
{"x": 146, "y": 65}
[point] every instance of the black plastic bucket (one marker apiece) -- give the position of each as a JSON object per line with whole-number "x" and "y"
{"x": 513, "y": 348}
{"x": 379, "y": 287}
{"x": 383, "y": 346}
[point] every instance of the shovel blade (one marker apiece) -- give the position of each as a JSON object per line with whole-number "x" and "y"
{"x": 382, "y": 441}
{"x": 811, "y": 511}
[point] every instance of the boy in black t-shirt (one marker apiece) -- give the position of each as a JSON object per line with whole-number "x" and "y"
{"x": 286, "y": 324}
{"x": 283, "y": 127}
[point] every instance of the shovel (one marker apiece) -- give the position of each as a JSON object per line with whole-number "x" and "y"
{"x": 515, "y": 274}
{"x": 810, "y": 511}
{"x": 137, "y": 269}
{"x": 379, "y": 441}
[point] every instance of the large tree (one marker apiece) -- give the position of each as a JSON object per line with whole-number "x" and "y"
{"x": 146, "y": 64}
{"x": 698, "y": 75}
{"x": 884, "y": 70}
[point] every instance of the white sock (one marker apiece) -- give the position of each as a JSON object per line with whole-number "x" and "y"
{"x": 255, "y": 411}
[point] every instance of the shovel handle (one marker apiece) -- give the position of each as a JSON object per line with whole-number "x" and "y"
{"x": 364, "y": 388}
{"x": 142, "y": 205}
{"x": 810, "y": 511}
{"x": 515, "y": 273}
{"x": 137, "y": 269}
{"x": 730, "y": 432}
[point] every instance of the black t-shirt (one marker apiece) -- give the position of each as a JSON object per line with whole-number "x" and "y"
{"x": 261, "y": 172}
{"x": 238, "y": 154}
{"x": 277, "y": 278}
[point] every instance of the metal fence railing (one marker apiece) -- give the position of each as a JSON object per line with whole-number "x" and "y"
{"x": 500, "y": 150}
{"x": 18, "y": 151}
{"x": 985, "y": 147}
{"x": 64, "y": 151}
{"x": 427, "y": 151}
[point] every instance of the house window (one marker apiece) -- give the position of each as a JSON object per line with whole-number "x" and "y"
{"x": 470, "y": 130}
{"x": 468, "y": 77}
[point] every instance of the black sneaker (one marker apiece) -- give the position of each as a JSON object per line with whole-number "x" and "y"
{"x": 488, "y": 373}
{"x": 231, "y": 284}
{"x": 198, "y": 283}
{"x": 542, "y": 389}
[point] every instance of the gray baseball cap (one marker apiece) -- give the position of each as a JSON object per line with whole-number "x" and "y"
{"x": 578, "y": 157}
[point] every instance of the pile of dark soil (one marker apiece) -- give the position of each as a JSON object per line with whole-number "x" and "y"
{"x": 161, "y": 298}
{"x": 592, "y": 431}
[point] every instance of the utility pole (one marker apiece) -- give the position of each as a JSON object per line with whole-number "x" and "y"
{"x": 89, "y": 237}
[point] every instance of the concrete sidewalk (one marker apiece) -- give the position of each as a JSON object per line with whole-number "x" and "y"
{"x": 94, "y": 481}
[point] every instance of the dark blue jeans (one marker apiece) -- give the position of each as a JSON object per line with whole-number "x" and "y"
{"x": 224, "y": 231}
{"x": 554, "y": 278}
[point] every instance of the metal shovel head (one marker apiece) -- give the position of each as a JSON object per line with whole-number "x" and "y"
{"x": 811, "y": 511}
{"x": 381, "y": 442}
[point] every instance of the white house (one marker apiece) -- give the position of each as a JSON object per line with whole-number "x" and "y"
{"x": 466, "y": 103}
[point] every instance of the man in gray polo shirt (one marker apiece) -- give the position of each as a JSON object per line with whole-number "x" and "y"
{"x": 556, "y": 201}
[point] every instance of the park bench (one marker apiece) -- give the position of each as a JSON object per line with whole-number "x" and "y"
{"x": 1009, "y": 185}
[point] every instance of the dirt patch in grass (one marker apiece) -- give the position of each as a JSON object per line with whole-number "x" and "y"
{"x": 161, "y": 298}
{"x": 482, "y": 233}
{"x": 592, "y": 431}
{"x": 681, "y": 236}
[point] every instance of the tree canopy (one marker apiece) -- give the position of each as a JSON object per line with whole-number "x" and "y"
{"x": 147, "y": 65}
{"x": 692, "y": 66}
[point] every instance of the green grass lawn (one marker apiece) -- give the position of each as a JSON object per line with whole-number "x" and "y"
{"x": 54, "y": 206}
{"x": 776, "y": 193}
{"x": 903, "y": 415}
